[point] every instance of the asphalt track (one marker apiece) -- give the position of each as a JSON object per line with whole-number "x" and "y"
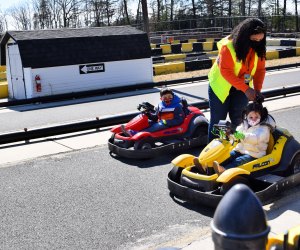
{"x": 40, "y": 115}
{"x": 87, "y": 199}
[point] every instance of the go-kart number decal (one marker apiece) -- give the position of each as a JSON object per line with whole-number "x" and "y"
{"x": 259, "y": 165}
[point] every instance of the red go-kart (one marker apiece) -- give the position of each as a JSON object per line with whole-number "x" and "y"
{"x": 191, "y": 133}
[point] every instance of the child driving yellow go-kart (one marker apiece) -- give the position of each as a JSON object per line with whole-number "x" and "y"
{"x": 258, "y": 153}
{"x": 252, "y": 136}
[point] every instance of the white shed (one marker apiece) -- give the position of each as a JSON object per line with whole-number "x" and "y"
{"x": 51, "y": 62}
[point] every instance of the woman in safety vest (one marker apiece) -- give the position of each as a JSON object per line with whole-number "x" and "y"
{"x": 238, "y": 73}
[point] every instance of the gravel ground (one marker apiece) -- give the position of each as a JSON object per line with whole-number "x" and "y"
{"x": 274, "y": 62}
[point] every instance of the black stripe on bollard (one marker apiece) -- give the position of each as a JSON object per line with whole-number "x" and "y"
{"x": 288, "y": 43}
{"x": 156, "y": 52}
{"x": 176, "y": 48}
{"x": 287, "y": 53}
{"x": 197, "y": 47}
{"x": 194, "y": 65}
{"x": 215, "y": 47}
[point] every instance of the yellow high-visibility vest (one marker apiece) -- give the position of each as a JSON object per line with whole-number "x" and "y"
{"x": 218, "y": 83}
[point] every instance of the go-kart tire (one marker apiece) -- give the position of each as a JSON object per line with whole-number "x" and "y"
{"x": 144, "y": 144}
{"x": 235, "y": 180}
{"x": 295, "y": 166}
{"x": 200, "y": 132}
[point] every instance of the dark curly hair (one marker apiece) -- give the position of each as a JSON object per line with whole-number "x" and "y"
{"x": 166, "y": 90}
{"x": 256, "y": 107}
{"x": 241, "y": 38}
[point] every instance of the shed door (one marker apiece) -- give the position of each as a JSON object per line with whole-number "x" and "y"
{"x": 16, "y": 72}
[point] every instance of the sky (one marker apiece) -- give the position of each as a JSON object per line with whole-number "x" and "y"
{"x": 5, "y": 4}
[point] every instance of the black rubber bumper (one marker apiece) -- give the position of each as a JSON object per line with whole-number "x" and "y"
{"x": 192, "y": 195}
{"x": 150, "y": 153}
{"x": 212, "y": 199}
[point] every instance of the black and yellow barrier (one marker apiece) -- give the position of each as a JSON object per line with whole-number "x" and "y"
{"x": 166, "y": 68}
{"x": 183, "y": 48}
{"x": 182, "y": 57}
{"x": 287, "y": 42}
{"x": 176, "y": 67}
{"x": 284, "y": 53}
{"x": 3, "y": 83}
{"x": 192, "y": 40}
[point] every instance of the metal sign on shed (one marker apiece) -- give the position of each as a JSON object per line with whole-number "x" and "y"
{"x": 91, "y": 68}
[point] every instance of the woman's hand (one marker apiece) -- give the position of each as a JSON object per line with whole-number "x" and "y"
{"x": 251, "y": 94}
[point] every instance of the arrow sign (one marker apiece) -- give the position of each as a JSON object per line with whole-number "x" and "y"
{"x": 91, "y": 68}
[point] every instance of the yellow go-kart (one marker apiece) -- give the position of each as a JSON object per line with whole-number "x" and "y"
{"x": 266, "y": 176}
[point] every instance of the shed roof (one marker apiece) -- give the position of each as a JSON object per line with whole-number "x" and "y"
{"x": 58, "y": 47}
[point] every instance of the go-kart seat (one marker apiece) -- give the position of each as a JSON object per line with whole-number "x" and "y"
{"x": 270, "y": 122}
{"x": 185, "y": 106}
{"x": 271, "y": 144}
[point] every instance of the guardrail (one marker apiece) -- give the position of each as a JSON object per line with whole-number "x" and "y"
{"x": 97, "y": 123}
{"x": 116, "y": 90}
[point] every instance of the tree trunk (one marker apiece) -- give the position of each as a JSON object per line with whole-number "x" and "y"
{"x": 126, "y": 12}
{"x": 194, "y": 24}
{"x": 172, "y": 10}
{"x": 249, "y": 8}
{"x": 243, "y": 8}
{"x": 296, "y": 16}
{"x": 158, "y": 10}
{"x": 145, "y": 16}
{"x": 138, "y": 12}
{"x": 259, "y": 8}
{"x": 284, "y": 15}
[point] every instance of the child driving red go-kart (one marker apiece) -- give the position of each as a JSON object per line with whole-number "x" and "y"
{"x": 172, "y": 126}
{"x": 168, "y": 113}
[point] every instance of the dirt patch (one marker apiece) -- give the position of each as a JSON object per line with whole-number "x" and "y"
{"x": 181, "y": 75}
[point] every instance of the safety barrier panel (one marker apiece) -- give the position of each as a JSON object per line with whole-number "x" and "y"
{"x": 207, "y": 45}
{"x": 3, "y": 83}
{"x": 164, "y": 49}
{"x": 278, "y": 42}
{"x": 207, "y": 63}
{"x": 191, "y": 40}
{"x": 168, "y": 68}
{"x": 3, "y": 90}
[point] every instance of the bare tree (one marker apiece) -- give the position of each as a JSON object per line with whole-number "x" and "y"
{"x": 69, "y": 11}
{"x": 145, "y": 16}
{"x": 3, "y": 22}
{"x": 54, "y": 16}
{"x": 296, "y": 16}
{"x": 284, "y": 14}
{"x": 87, "y": 17}
{"x": 158, "y": 10}
{"x": 126, "y": 11}
{"x": 243, "y": 8}
{"x": 109, "y": 9}
{"x": 259, "y": 7}
{"x": 41, "y": 16}
{"x": 97, "y": 7}
{"x": 21, "y": 15}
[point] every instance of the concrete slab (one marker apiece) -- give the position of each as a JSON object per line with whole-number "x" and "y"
{"x": 84, "y": 139}
{"x": 25, "y": 151}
